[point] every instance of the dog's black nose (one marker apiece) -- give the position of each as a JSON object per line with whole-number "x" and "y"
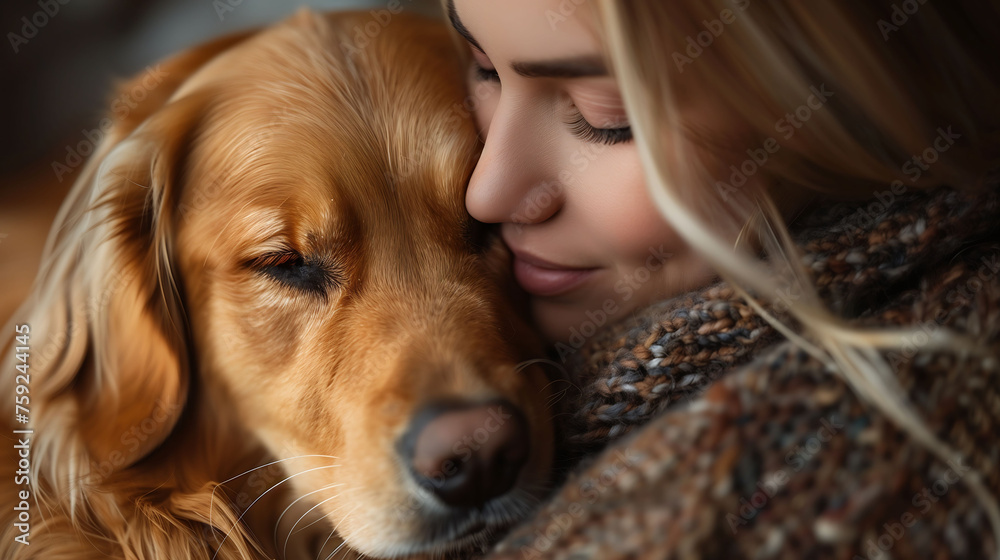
{"x": 465, "y": 453}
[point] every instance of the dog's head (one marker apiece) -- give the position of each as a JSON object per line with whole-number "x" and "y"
{"x": 277, "y": 228}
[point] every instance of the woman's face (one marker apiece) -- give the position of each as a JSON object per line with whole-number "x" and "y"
{"x": 560, "y": 172}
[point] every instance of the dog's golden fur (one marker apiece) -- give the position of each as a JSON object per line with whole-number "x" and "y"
{"x": 267, "y": 259}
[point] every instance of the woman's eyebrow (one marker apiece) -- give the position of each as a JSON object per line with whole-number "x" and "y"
{"x": 456, "y": 22}
{"x": 579, "y": 67}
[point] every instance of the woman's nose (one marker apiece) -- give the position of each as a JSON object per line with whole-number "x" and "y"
{"x": 516, "y": 179}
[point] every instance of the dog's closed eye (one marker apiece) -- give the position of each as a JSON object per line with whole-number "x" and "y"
{"x": 294, "y": 270}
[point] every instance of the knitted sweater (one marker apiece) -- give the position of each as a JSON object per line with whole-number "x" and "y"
{"x": 723, "y": 440}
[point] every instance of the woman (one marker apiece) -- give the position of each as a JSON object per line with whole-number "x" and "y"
{"x": 835, "y": 394}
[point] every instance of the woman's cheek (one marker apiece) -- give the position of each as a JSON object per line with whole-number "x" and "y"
{"x": 632, "y": 225}
{"x": 649, "y": 243}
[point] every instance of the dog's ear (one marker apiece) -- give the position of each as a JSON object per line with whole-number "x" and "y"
{"x": 109, "y": 361}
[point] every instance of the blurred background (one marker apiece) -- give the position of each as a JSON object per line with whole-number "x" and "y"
{"x": 59, "y": 61}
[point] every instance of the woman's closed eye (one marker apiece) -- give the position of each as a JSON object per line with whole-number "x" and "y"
{"x": 583, "y": 130}
{"x": 578, "y": 124}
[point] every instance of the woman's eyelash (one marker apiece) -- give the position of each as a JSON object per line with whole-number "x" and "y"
{"x": 588, "y": 132}
{"x": 486, "y": 75}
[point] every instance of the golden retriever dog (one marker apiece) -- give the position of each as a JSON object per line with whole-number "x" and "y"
{"x": 265, "y": 326}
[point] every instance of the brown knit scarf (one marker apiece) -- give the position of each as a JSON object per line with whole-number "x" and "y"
{"x": 860, "y": 256}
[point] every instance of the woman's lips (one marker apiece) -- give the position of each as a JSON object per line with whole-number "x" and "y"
{"x": 542, "y": 278}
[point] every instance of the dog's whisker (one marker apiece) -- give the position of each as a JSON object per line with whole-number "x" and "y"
{"x": 336, "y": 550}
{"x": 534, "y": 361}
{"x": 570, "y": 384}
{"x": 291, "y": 531}
{"x": 264, "y": 466}
{"x": 257, "y": 499}
{"x": 553, "y": 400}
{"x": 311, "y": 523}
{"x": 344, "y": 544}
{"x": 322, "y": 547}
{"x": 334, "y": 531}
{"x": 297, "y": 500}
{"x": 335, "y": 511}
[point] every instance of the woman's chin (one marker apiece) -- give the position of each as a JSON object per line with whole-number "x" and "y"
{"x": 570, "y": 325}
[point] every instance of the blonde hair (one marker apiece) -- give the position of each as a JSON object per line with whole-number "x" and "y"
{"x": 900, "y": 74}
